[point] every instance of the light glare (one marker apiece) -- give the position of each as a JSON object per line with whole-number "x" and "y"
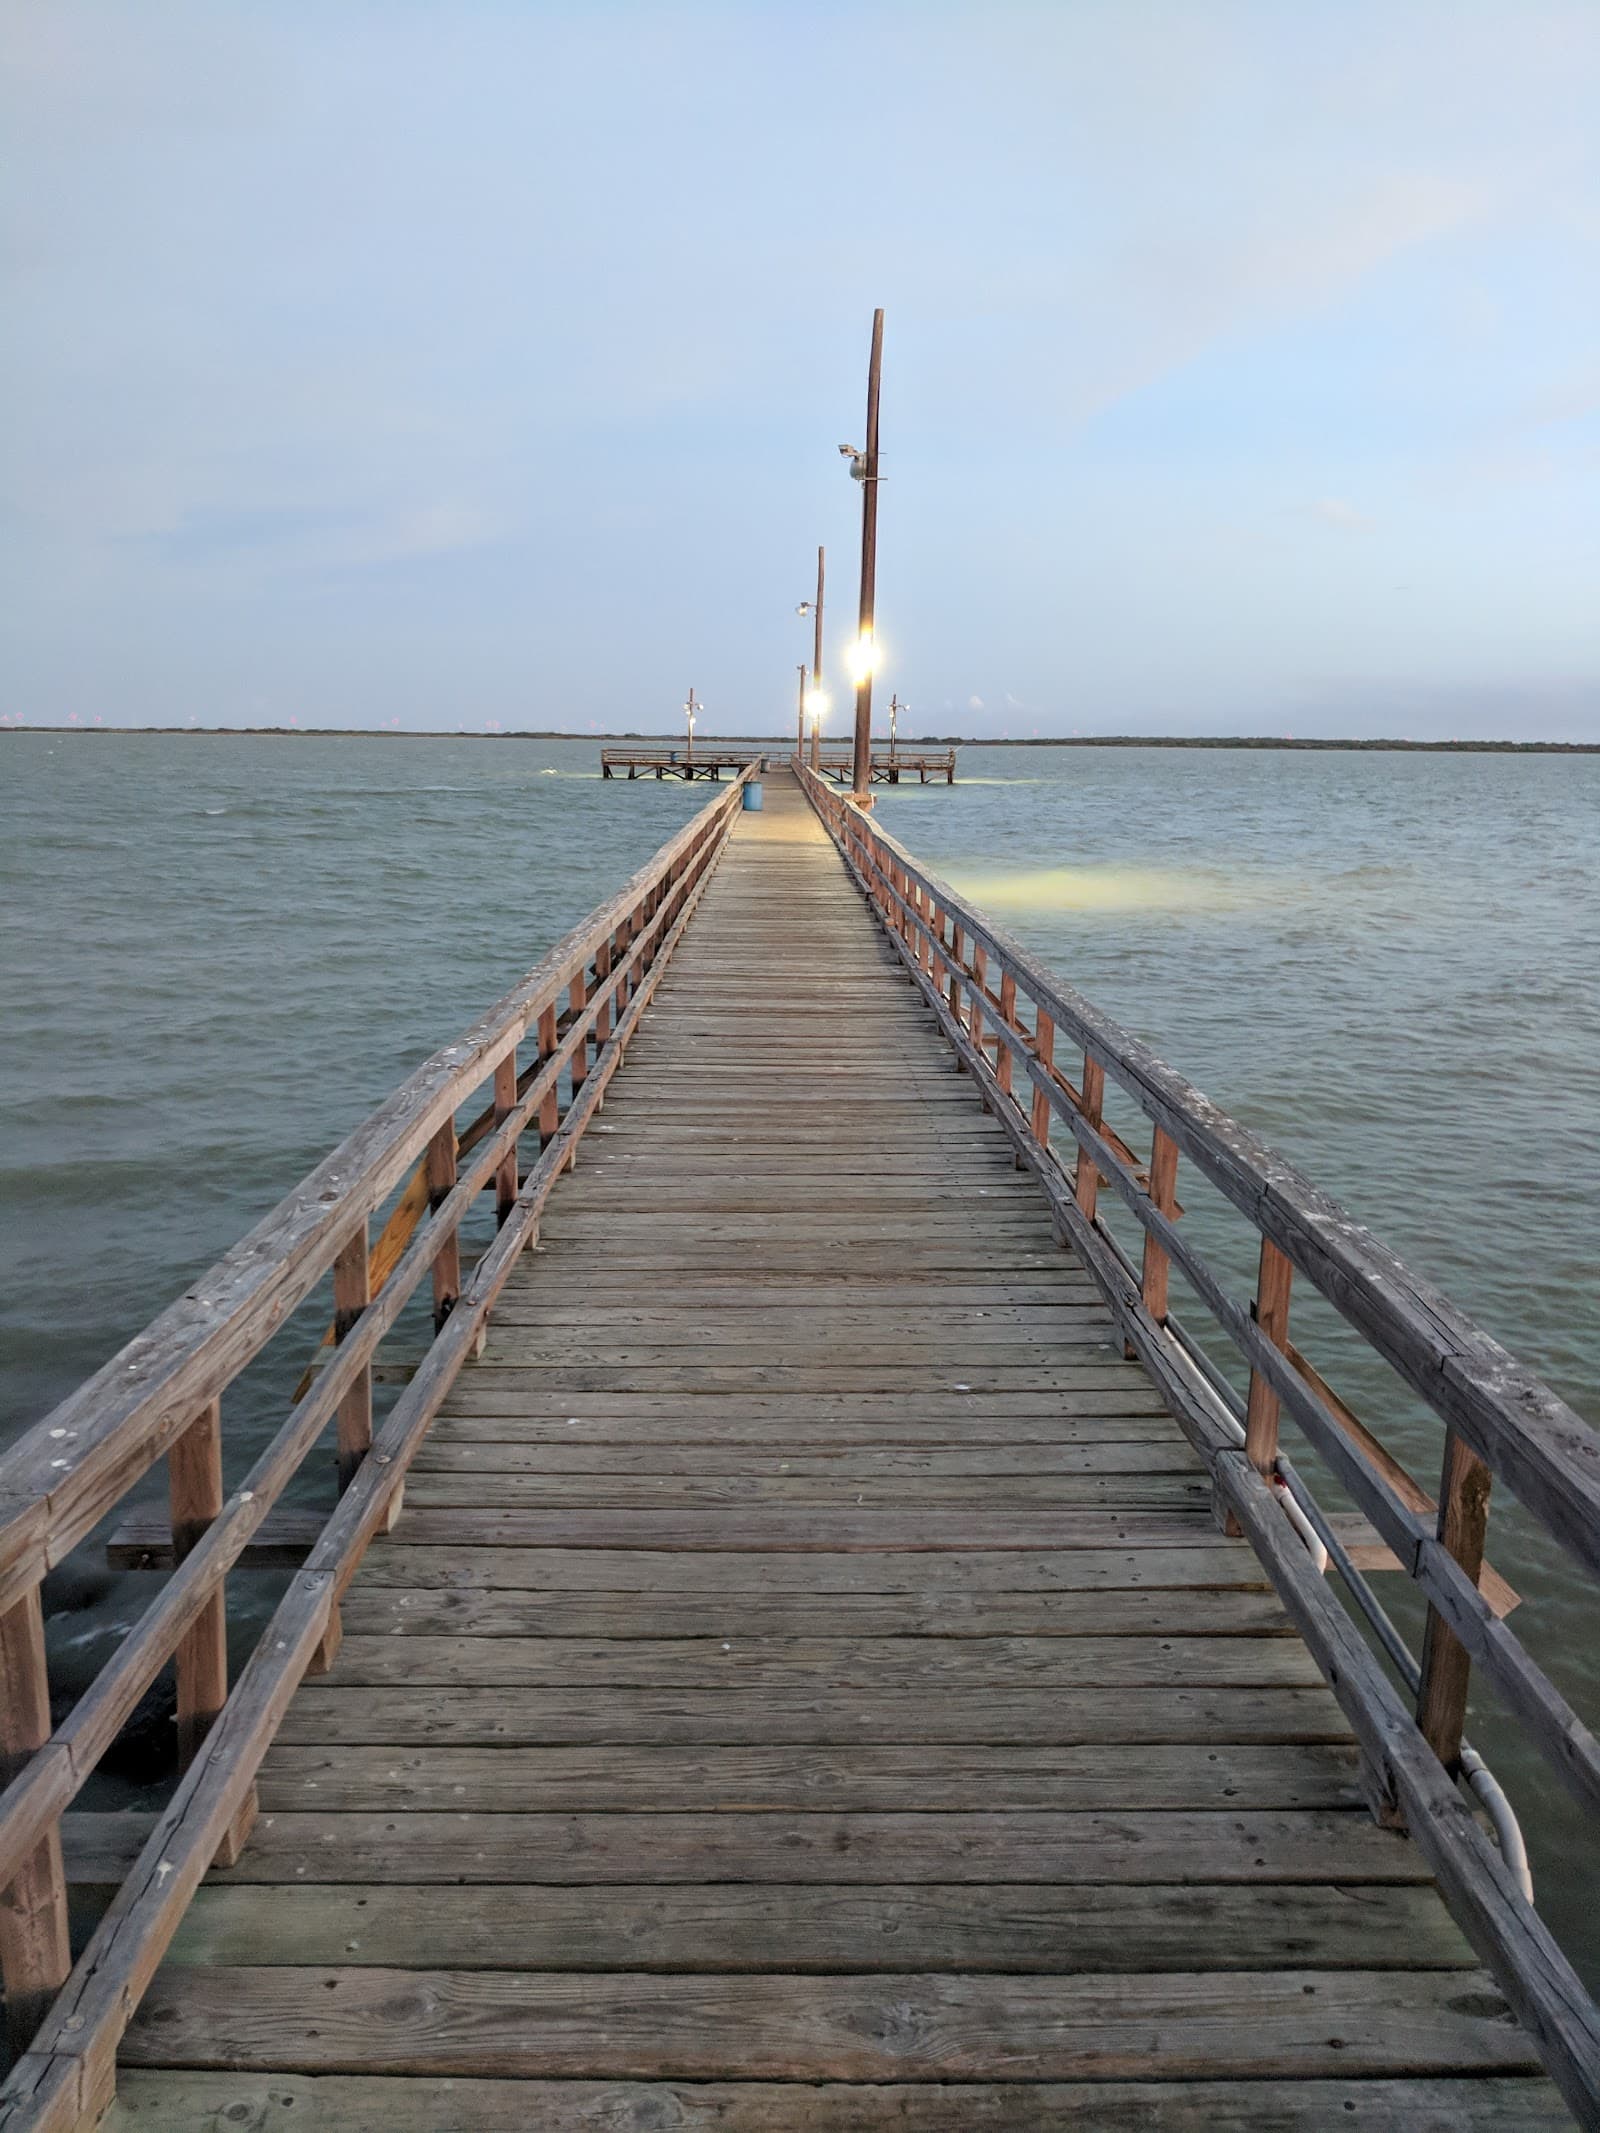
{"x": 862, "y": 658}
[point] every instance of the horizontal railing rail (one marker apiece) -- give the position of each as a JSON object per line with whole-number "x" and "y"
{"x": 161, "y": 1396}
{"x": 1006, "y": 1016}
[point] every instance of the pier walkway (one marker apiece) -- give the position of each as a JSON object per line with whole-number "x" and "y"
{"x": 808, "y": 1686}
{"x": 807, "y": 1655}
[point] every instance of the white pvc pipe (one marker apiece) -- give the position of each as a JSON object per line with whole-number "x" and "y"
{"x": 1502, "y": 1817}
{"x": 1301, "y": 1524}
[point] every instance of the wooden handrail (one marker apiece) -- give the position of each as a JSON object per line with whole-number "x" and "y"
{"x": 64, "y": 1474}
{"x": 1498, "y": 1416}
{"x": 103, "y": 1439}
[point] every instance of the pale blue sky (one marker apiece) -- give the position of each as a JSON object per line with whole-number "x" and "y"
{"x": 469, "y": 363}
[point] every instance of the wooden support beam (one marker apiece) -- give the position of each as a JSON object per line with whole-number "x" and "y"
{"x": 352, "y": 1292}
{"x": 1086, "y": 1184}
{"x": 550, "y": 1109}
{"x": 35, "y": 1954}
{"x": 194, "y": 1487}
{"x": 1044, "y": 1050}
{"x": 1008, "y": 1015}
{"x": 1163, "y": 1194}
{"x": 505, "y": 1102}
{"x": 1272, "y": 1316}
{"x": 1464, "y": 1485}
{"x": 577, "y": 1001}
{"x": 441, "y": 1174}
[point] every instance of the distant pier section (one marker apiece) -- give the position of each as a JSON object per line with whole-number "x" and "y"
{"x": 666, "y": 759}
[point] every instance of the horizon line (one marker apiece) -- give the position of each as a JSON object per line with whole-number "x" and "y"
{"x": 1376, "y": 742}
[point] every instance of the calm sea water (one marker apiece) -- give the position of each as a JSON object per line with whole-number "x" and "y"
{"x": 221, "y": 952}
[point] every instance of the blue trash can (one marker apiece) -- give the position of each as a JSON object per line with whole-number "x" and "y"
{"x": 753, "y": 801}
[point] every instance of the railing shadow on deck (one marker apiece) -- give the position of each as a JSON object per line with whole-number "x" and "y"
{"x": 1005, "y": 1014}
{"x": 161, "y": 1396}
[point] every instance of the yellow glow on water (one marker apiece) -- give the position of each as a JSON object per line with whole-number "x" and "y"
{"x": 1113, "y": 888}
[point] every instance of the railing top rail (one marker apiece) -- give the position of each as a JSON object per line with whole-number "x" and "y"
{"x": 1523, "y": 1429}
{"x": 71, "y": 1467}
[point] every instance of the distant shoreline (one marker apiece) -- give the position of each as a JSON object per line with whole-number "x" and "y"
{"x": 943, "y": 740}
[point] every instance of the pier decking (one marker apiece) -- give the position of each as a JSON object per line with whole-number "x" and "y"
{"x": 807, "y": 1686}
{"x": 807, "y": 1655}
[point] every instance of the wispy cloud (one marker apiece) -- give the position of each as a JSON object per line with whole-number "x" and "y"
{"x": 1338, "y": 511}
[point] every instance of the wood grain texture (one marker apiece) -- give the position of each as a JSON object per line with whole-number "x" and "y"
{"x": 285, "y": 2102}
{"x": 618, "y": 1778}
{"x": 726, "y": 1926}
{"x": 1245, "y": 2025}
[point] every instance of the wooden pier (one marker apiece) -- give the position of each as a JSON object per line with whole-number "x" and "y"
{"x": 807, "y": 1685}
{"x": 889, "y": 766}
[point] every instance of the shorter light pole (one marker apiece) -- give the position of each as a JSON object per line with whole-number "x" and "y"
{"x": 800, "y": 714}
{"x": 895, "y": 709}
{"x": 690, "y": 710}
{"x": 814, "y": 609}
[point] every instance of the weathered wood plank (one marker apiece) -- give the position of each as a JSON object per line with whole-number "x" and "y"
{"x": 323, "y": 1716}
{"x": 704, "y": 1428}
{"x": 803, "y": 1527}
{"x": 1024, "y": 1845}
{"x": 333, "y": 2103}
{"x": 1209, "y": 1563}
{"x": 1098, "y": 1389}
{"x": 374, "y": 1610}
{"x": 622, "y": 1779}
{"x": 576, "y": 1453}
{"x": 963, "y": 1927}
{"x": 472, "y": 1484}
{"x": 936, "y": 1665}
{"x": 810, "y": 2028}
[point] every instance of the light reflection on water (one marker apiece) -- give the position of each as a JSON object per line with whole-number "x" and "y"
{"x": 1038, "y": 891}
{"x": 221, "y": 953}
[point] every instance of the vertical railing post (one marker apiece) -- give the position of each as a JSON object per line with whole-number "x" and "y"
{"x": 1044, "y": 1050}
{"x": 35, "y": 1952}
{"x": 980, "y": 999}
{"x": 936, "y": 945}
{"x": 1086, "y": 1179}
{"x": 1008, "y": 1016}
{"x": 1272, "y": 1316}
{"x": 194, "y": 1490}
{"x": 352, "y": 1292}
{"x": 956, "y": 968}
{"x": 505, "y": 1102}
{"x": 577, "y": 1001}
{"x": 1163, "y": 1197}
{"x": 602, "y": 985}
{"x": 447, "y": 1260}
{"x": 550, "y": 1106}
{"x": 1446, "y": 1665}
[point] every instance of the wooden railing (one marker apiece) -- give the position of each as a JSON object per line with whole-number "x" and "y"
{"x": 161, "y": 1396}
{"x": 1009, "y": 1021}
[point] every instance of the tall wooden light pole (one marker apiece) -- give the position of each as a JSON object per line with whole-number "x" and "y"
{"x": 864, "y": 466}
